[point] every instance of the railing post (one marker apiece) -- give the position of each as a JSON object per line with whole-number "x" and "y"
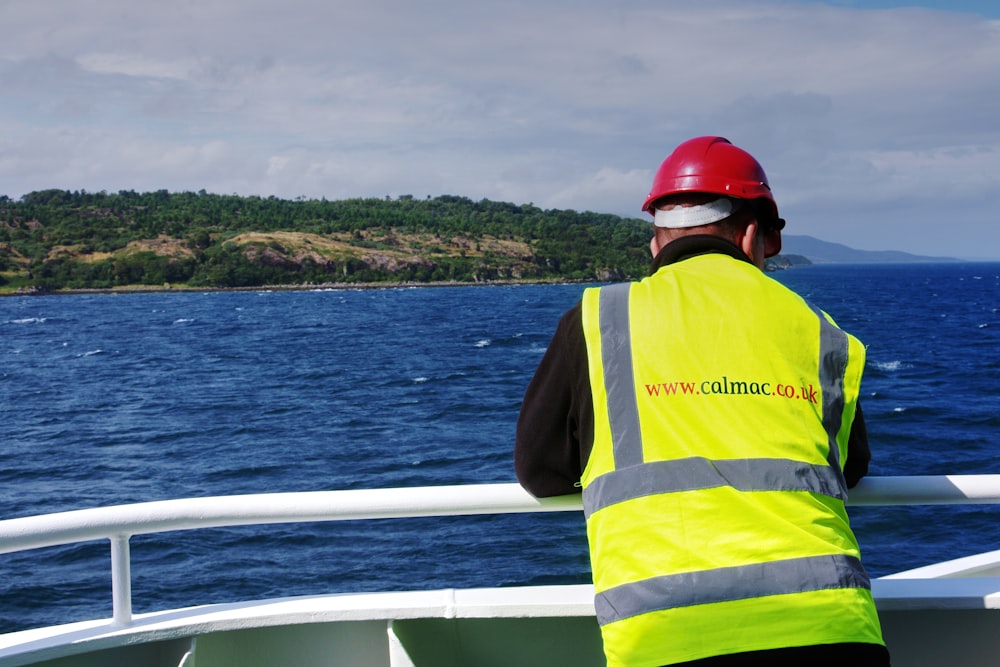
{"x": 121, "y": 580}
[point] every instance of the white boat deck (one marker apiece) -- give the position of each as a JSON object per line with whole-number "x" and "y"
{"x": 942, "y": 615}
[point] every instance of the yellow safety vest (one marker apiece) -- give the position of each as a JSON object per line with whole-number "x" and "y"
{"x": 714, "y": 494}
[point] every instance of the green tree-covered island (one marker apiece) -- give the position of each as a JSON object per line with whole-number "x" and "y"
{"x": 58, "y": 240}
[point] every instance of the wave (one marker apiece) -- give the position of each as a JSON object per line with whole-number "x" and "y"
{"x": 513, "y": 340}
{"x": 890, "y": 366}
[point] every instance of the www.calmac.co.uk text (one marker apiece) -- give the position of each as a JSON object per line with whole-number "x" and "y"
{"x": 727, "y": 387}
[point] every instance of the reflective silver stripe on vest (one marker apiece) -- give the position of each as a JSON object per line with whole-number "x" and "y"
{"x": 833, "y": 352}
{"x": 619, "y": 377}
{"x": 689, "y": 474}
{"x": 796, "y": 575}
{"x": 692, "y": 474}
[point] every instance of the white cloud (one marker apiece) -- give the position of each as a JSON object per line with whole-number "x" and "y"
{"x": 850, "y": 110}
{"x": 136, "y": 65}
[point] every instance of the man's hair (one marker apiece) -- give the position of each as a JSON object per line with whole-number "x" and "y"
{"x": 734, "y": 225}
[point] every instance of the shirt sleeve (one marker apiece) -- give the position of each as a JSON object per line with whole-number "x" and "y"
{"x": 556, "y": 424}
{"x": 858, "y": 452}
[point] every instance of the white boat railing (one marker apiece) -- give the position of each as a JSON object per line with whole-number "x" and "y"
{"x": 119, "y": 523}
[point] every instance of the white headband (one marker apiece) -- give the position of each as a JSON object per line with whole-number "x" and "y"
{"x": 697, "y": 215}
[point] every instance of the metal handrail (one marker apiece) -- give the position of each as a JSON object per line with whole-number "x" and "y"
{"x": 119, "y": 523}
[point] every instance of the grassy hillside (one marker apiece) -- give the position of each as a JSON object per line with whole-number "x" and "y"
{"x": 55, "y": 239}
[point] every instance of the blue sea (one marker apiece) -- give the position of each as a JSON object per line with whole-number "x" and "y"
{"x": 120, "y": 398}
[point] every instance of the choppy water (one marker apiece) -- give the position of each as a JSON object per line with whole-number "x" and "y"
{"x": 108, "y": 399}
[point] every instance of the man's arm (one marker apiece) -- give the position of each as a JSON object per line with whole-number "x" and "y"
{"x": 858, "y": 452}
{"x": 556, "y": 416}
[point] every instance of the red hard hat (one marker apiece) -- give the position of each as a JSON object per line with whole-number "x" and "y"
{"x": 713, "y": 165}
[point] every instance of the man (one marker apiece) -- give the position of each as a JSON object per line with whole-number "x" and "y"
{"x": 710, "y": 416}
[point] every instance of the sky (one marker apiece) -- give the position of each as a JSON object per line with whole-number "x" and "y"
{"x": 878, "y": 123}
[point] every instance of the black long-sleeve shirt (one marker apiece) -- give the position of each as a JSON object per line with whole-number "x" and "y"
{"x": 555, "y": 429}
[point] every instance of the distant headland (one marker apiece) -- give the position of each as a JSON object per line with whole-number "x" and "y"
{"x": 824, "y": 252}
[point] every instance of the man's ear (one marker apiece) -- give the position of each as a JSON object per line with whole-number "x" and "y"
{"x": 654, "y": 245}
{"x": 747, "y": 237}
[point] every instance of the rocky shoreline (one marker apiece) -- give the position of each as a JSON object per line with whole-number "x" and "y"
{"x": 152, "y": 289}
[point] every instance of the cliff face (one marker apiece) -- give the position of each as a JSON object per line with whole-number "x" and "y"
{"x": 389, "y": 253}
{"x": 286, "y": 257}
